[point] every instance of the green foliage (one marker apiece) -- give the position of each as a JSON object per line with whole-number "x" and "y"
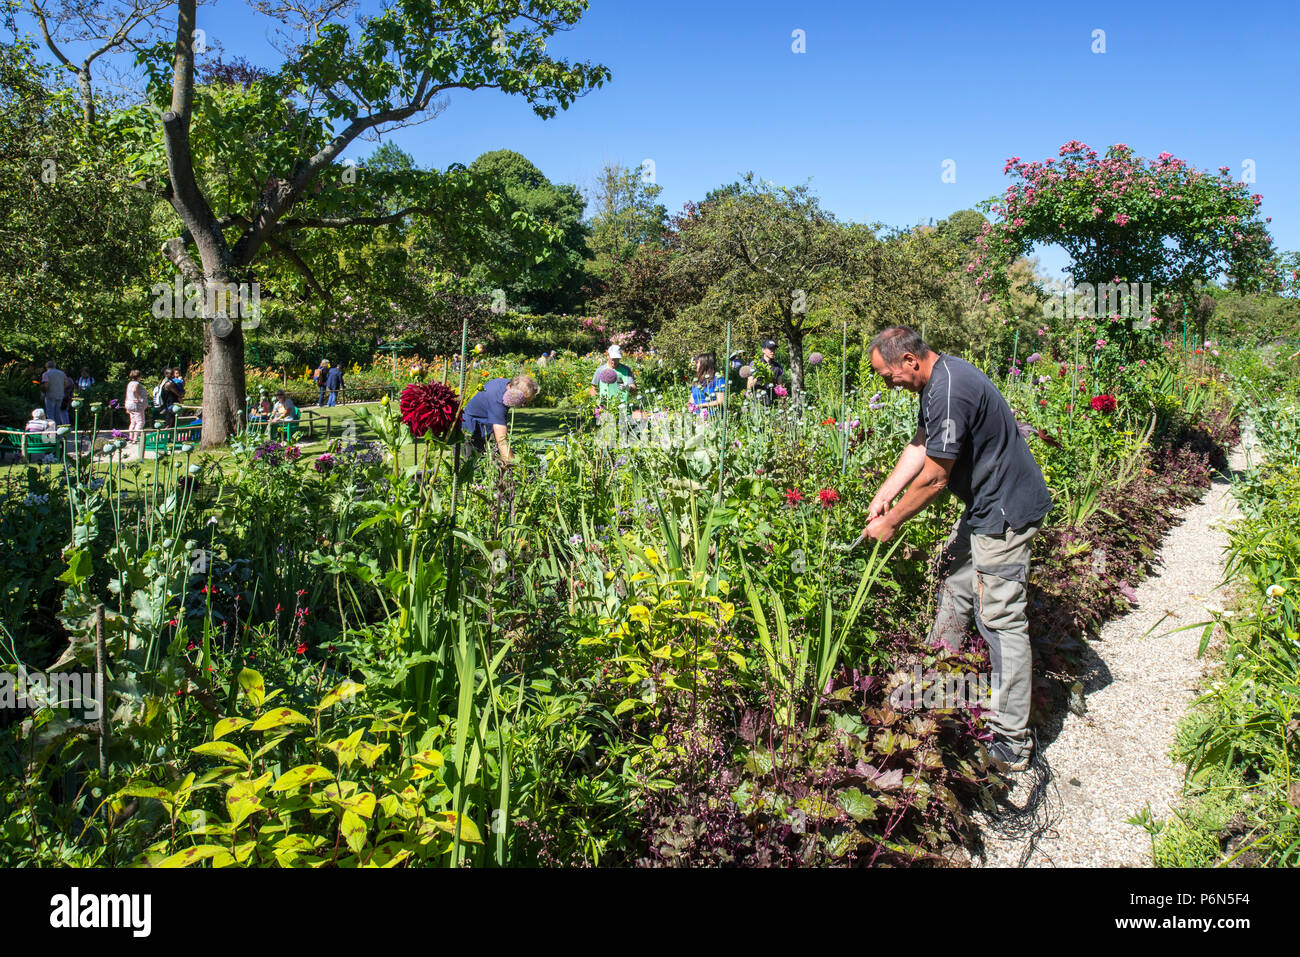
{"x": 1241, "y": 744}
{"x": 366, "y": 804}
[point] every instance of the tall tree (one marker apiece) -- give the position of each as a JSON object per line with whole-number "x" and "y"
{"x": 61, "y": 194}
{"x": 772, "y": 254}
{"x": 626, "y": 214}
{"x": 554, "y": 283}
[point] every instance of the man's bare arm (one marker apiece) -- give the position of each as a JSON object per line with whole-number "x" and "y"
{"x": 909, "y": 466}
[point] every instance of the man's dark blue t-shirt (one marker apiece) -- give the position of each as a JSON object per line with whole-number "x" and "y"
{"x": 334, "y": 379}
{"x": 487, "y": 408}
{"x": 965, "y": 418}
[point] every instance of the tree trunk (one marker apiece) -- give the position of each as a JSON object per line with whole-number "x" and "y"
{"x": 223, "y": 376}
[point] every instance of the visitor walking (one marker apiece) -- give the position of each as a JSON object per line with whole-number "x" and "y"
{"x": 136, "y": 403}
{"x": 334, "y": 384}
{"x": 967, "y": 441}
{"x": 319, "y": 378}
{"x": 55, "y": 385}
{"x": 710, "y": 387}
{"x": 488, "y": 412}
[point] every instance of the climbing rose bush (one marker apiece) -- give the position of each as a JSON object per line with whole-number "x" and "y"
{"x": 1125, "y": 218}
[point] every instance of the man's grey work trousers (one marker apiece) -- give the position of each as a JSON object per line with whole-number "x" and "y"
{"x": 986, "y": 575}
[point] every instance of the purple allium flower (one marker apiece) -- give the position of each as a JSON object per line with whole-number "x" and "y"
{"x": 607, "y": 376}
{"x": 1032, "y": 359}
{"x": 815, "y": 359}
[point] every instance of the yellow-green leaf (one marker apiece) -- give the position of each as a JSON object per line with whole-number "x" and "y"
{"x": 202, "y": 852}
{"x": 363, "y": 804}
{"x": 303, "y": 774}
{"x": 277, "y": 717}
{"x": 226, "y": 725}
{"x": 253, "y": 687}
{"x": 626, "y": 705}
{"x": 446, "y": 821}
{"x": 241, "y": 801}
{"x": 384, "y": 857}
{"x": 343, "y": 692}
{"x": 369, "y": 753}
{"x": 345, "y": 749}
{"x": 223, "y": 750}
{"x": 354, "y": 831}
{"x": 429, "y": 759}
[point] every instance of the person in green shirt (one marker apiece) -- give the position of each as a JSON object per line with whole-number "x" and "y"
{"x": 613, "y": 382}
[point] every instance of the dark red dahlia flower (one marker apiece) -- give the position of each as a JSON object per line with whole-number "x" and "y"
{"x": 432, "y": 408}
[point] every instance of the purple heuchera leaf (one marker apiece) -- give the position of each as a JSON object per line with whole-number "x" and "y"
{"x": 884, "y": 780}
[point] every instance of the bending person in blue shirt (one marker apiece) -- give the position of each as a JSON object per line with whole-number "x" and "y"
{"x": 487, "y": 412}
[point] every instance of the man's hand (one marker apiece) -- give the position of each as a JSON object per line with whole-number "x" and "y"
{"x": 879, "y": 506}
{"x": 880, "y": 529}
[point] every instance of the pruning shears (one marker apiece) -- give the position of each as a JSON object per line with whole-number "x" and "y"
{"x": 848, "y": 548}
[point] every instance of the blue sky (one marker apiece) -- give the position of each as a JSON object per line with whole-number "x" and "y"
{"x": 885, "y": 93}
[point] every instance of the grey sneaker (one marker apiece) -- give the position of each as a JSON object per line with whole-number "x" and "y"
{"x": 1007, "y": 759}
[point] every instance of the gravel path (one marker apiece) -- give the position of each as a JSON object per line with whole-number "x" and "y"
{"x": 1109, "y": 762}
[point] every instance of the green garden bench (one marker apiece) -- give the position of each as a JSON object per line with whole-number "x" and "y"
{"x": 26, "y": 444}
{"x": 162, "y": 440}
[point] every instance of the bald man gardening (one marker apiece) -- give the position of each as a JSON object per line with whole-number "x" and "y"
{"x": 967, "y": 442}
